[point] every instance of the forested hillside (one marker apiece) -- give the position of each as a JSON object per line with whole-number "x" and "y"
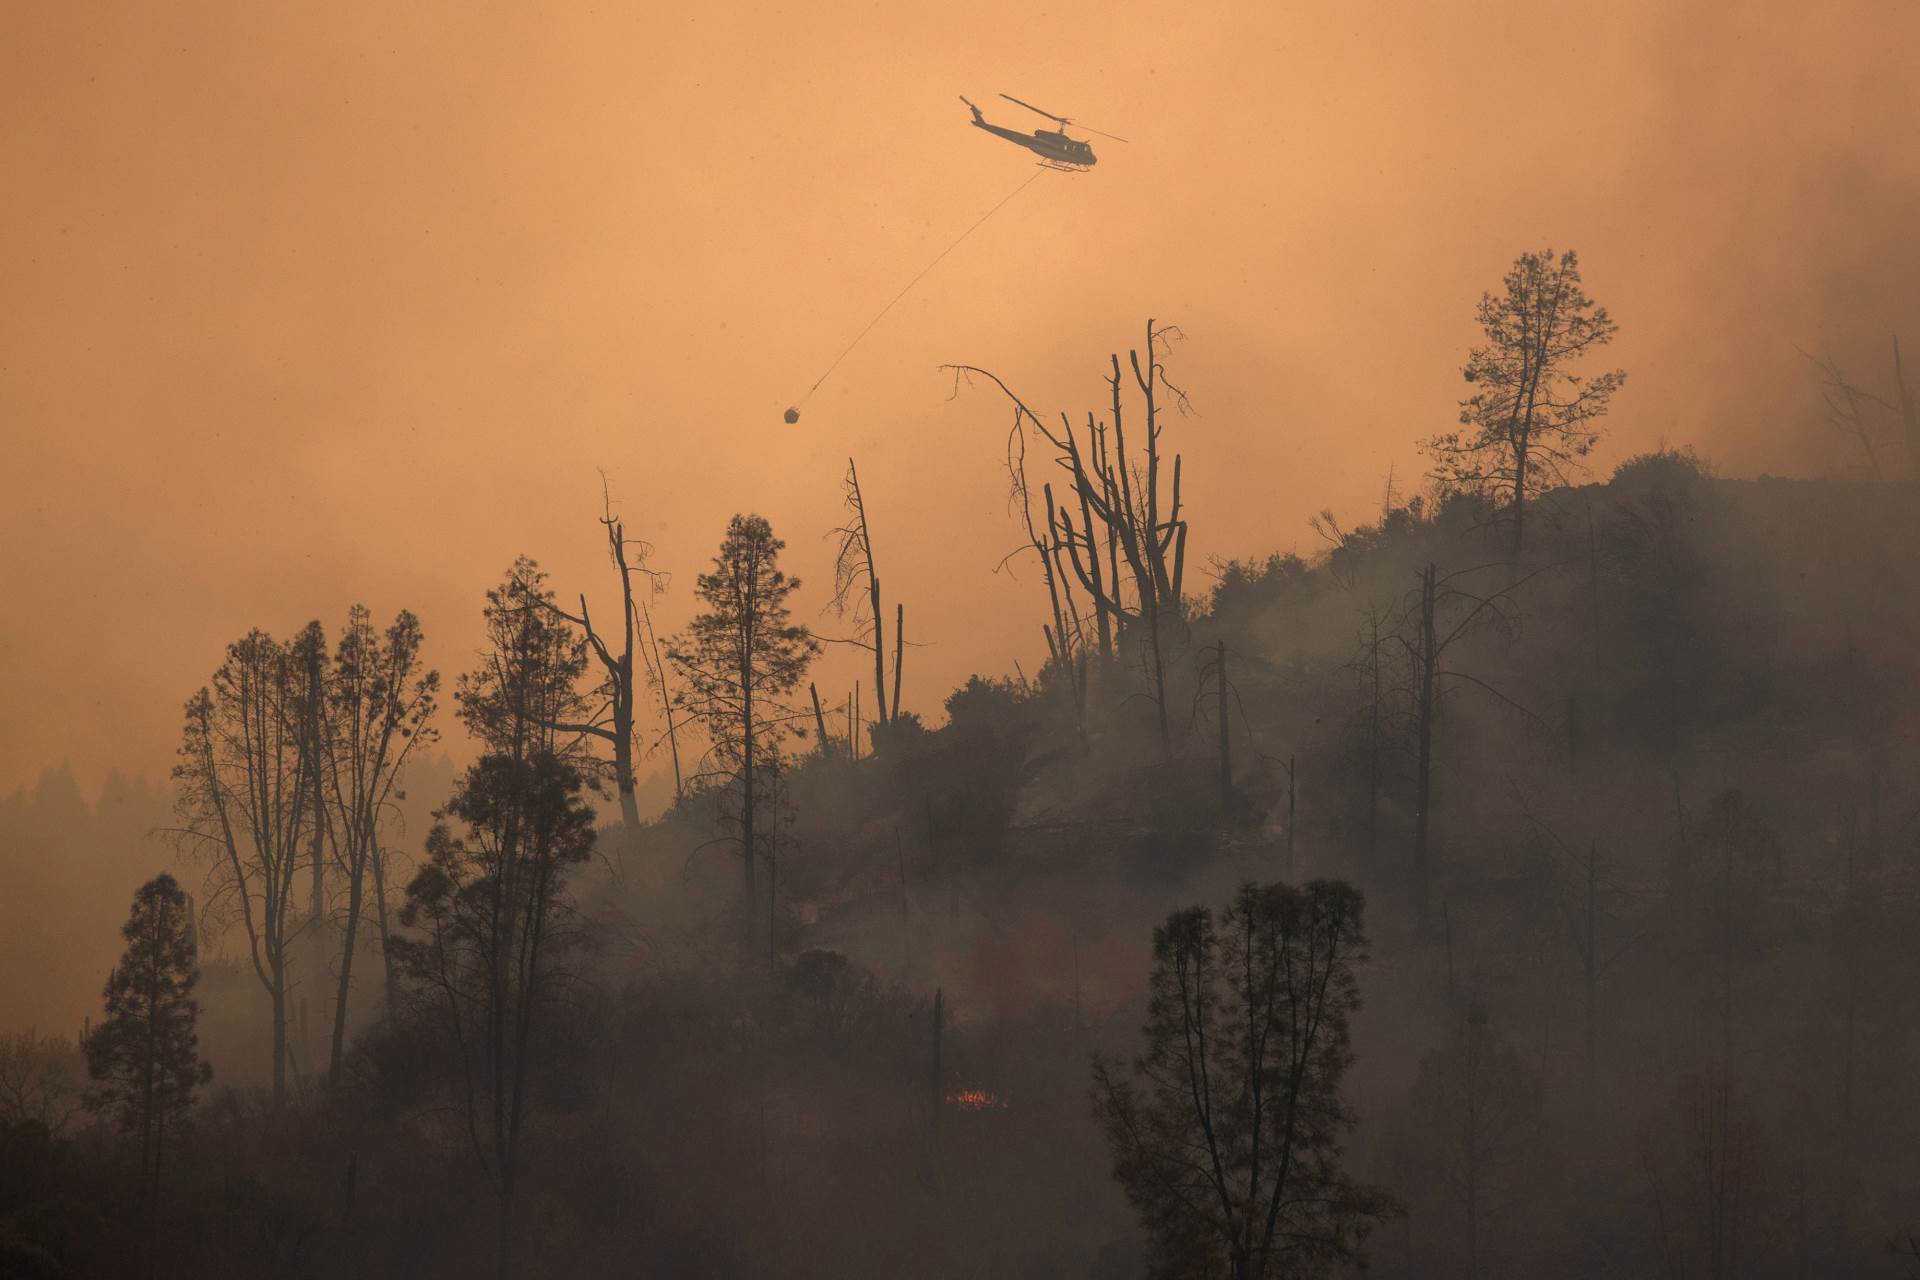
{"x": 1629, "y": 801}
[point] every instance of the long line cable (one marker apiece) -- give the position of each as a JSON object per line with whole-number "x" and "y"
{"x": 793, "y": 413}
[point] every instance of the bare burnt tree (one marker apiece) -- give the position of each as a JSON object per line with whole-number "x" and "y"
{"x": 42, "y": 1080}
{"x": 1909, "y": 411}
{"x": 1905, "y": 1246}
{"x": 1851, "y": 410}
{"x": 382, "y": 706}
{"x": 825, "y": 743}
{"x": 1214, "y": 672}
{"x": 1597, "y": 955}
{"x": 243, "y": 791}
{"x": 611, "y": 721}
{"x": 1370, "y": 674}
{"x": 1588, "y": 927}
{"x": 1064, "y": 633}
{"x": 655, "y": 661}
{"x": 856, "y": 574}
{"x": 1476, "y": 1111}
{"x": 1732, "y": 866}
{"x": 1117, "y": 530}
{"x": 1723, "y": 1151}
{"x": 1866, "y": 417}
{"x": 1529, "y": 422}
{"x": 1436, "y": 616}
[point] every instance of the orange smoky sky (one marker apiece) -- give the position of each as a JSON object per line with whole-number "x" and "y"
{"x": 313, "y": 304}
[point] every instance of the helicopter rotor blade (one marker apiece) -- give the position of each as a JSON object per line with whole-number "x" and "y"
{"x": 1037, "y": 111}
{"x": 1063, "y": 121}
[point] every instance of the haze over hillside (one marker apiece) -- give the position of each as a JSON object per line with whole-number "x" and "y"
{"x": 310, "y": 308}
{"x": 637, "y": 650}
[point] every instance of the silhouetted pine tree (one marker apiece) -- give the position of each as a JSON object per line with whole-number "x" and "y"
{"x": 144, "y": 1058}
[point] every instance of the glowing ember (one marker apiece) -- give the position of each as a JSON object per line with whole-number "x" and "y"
{"x": 976, "y": 1100}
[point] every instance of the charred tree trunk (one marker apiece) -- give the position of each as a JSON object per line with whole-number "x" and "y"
{"x": 623, "y": 779}
{"x": 150, "y": 1058}
{"x": 935, "y": 1096}
{"x": 1473, "y": 1144}
{"x": 820, "y": 721}
{"x": 748, "y": 730}
{"x": 279, "y": 969}
{"x": 350, "y": 936}
{"x": 1226, "y": 740}
{"x": 1103, "y": 612}
{"x": 1573, "y": 734}
{"x": 1292, "y": 790}
{"x": 1423, "y": 800}
{"x": 1590, "y": 960}
{"x": 659, "y": 666}
{"x": 773, "y": 874}
{"x": 879, "y": 653}
{"x": 1373, "y": 737}
{"x": 1159, "y": 680}
{"x": 620, "y": 683}
{"x": 899, "y": 651}
{"x": 616, "y": 730}
{"x": 384, "y": 919}
{"x": 1119, "y": 502}
{"x": 1909, "y": 412}
{"x": 1519, "y": 496}
{"x": 1050, "y": 573}
{"x": 906, "y": 906}
{"x": 153, "y": 1186}
{"x": 314, "y": 734}
{"x": 1850, "y": 943}
{"x": 853, "y": 564}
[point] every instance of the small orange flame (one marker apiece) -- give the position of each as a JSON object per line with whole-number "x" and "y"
{"x": 976, "y": 1100}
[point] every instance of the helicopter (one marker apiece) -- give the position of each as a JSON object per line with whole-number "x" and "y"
{"x": 1055, "y": 149}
